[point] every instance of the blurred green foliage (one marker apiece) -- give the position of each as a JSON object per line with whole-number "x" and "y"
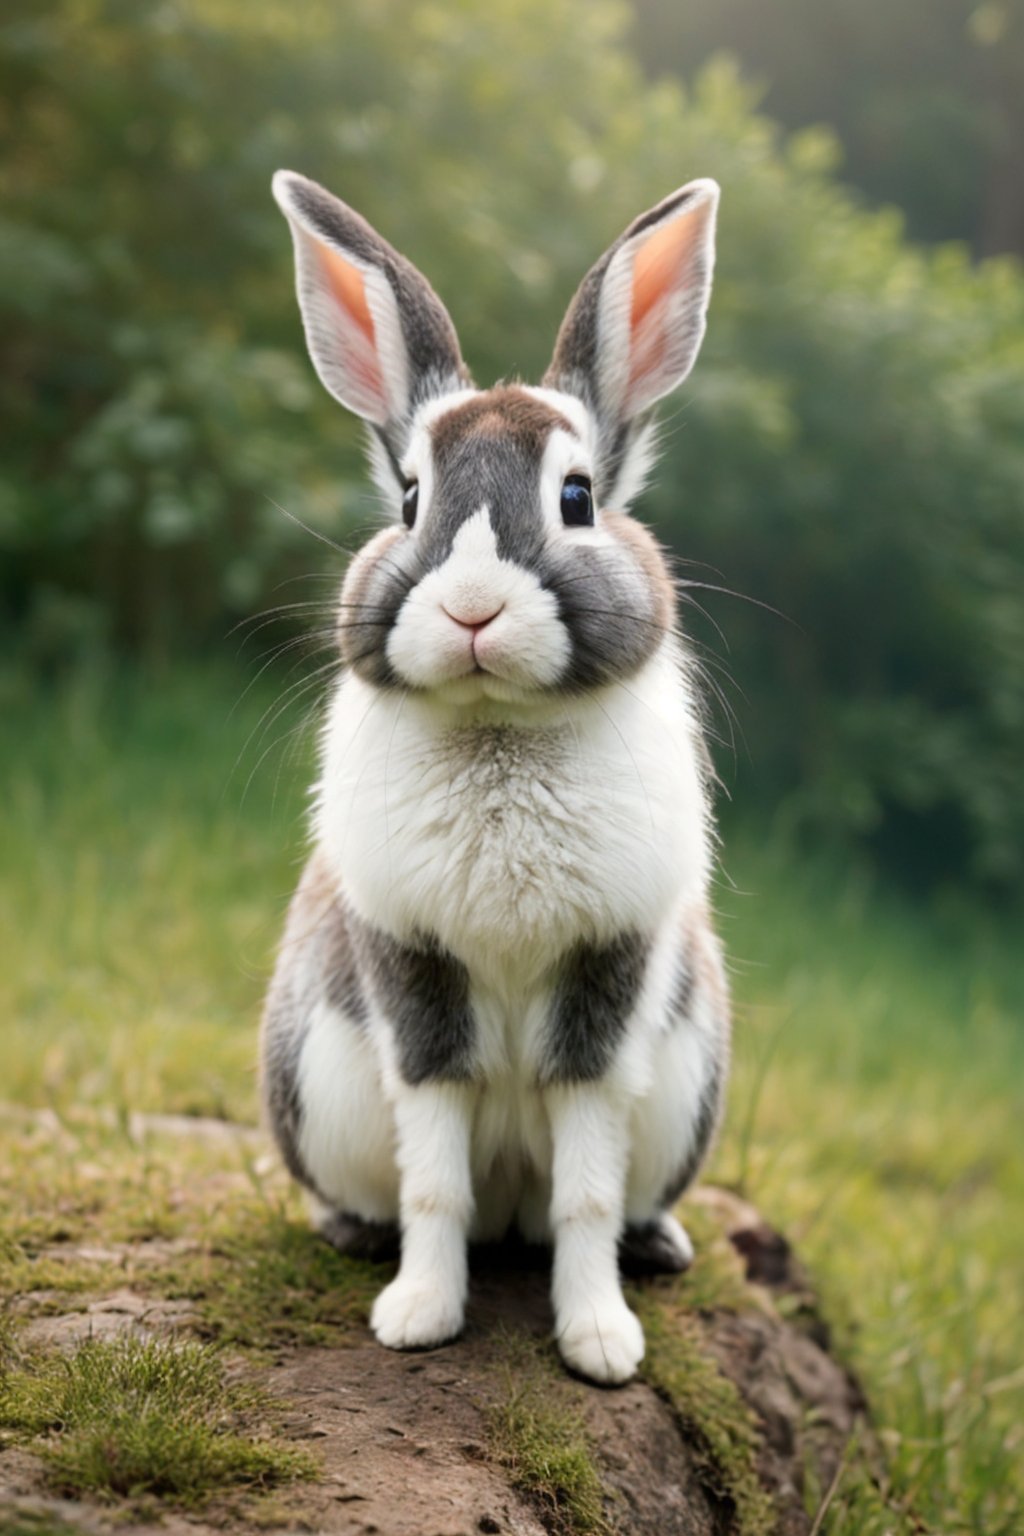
{"x": 850, "y": 450}
{"x": 927, "y": 96}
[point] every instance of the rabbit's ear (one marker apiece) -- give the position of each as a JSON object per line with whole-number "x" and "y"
{"x": 635, "y": 327}
{"x": 380, "y": 338}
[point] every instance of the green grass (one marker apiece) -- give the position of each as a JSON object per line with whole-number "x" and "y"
{"x": 142, "y": 888}
{"x": 27, "y": 1523}
{"x": 874, "y": 1111}
{"x": 143, "y": 1418}
{"x": 875, "y": 1114}
{"x": 537, "y": 1433}
{"x": 266, "y": 1280}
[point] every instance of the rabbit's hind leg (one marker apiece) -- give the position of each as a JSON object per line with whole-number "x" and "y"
{"x": 357, "y": 1238}
{"x": 660, "y": 1246}
{"x": 345, "y": 1136}
{"x": 674, "y": 1124}
{"x": 321, "y": 1077}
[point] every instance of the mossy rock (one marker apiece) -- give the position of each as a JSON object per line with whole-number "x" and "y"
{"x": 739, "y": 1425}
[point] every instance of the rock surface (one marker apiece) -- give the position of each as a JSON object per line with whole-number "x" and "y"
{"x": 406, "y": 1445}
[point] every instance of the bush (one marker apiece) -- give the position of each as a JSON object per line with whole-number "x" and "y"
{"x": 849, "y": 450}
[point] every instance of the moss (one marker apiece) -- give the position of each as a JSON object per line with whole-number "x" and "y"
{"x": 717, "y": 1276}
{"x": 143, "y": 1418}
{"x": 538, "y": 1435}
{"x": 95, "y": 1214}
{"x": 23, "y": 1522}
{"x": 261, "y": 1280}
{"x": 722, "y": 1428}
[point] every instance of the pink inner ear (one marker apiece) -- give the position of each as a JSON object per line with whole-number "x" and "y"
{"x": 659, "y": 269}
{"x": 348, "y": 287}
{"x": 659, "y": 265}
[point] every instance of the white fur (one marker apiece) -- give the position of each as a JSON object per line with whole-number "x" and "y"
{"x": 352, "y": 1151}
{"x": 585, "y": 820}
{"x": 424, "y": 1303}
{"x": 567, "y": 819}
{"x": 597, "y": 1333}
{"x": 572, "y": 408}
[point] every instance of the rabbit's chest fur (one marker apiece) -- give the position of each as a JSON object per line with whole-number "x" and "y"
{"x": 512, "y": 840}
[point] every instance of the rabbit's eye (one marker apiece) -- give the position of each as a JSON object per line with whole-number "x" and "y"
{"x": 409, "y": 500}
{"x": 577, "y": 502}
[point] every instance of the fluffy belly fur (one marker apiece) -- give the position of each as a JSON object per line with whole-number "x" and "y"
{"x": 513, "y": 840}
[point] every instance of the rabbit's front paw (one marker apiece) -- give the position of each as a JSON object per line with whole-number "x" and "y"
{"x": 415, "y": 1314}
{"x": 604, "y": 1344}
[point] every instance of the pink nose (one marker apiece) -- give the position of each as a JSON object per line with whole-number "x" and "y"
{"x": 473, "y": 618}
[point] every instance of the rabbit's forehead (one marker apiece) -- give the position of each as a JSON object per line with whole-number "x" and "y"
{"x": 511, "y": 415}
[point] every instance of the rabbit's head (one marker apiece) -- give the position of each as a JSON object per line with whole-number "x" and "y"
{"x": 511, "y": 567}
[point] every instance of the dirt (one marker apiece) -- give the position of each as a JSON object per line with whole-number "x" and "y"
{"x": 404, "y": 1441}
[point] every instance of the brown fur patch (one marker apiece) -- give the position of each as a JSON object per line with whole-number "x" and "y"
{"x": 704, "y": 952}
{"x": 360, "y": 569}
{"x": 350, "y": 631}
{"x": 647, "y": 552}
{"x": 506, "y": 411}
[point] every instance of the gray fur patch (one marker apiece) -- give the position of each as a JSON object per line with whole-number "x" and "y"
{"x": 376, "y": 1241}
{"x": 498, "y": 472}
{"x": 682, "y": 995}
{"x": 594, "y": 997}
{"x": 609, "y": 609}
{"x": 423, "y": 992}
{"x": 489, "y": 450}
{"x": 284, "y": 1034}
{"x": 651, "y": 1249}
{"x": 370, "y": 607}
{"x": 316, "y": 964}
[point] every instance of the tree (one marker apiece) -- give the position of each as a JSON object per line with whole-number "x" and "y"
{"x": 926, "y": 97}
{"x": 848, "y": 450}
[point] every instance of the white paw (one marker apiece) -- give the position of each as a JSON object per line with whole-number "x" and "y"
{"x": 415, "y": 1314}
{"x": 678, "y": 1238}
{"x": 605, "y": 1343}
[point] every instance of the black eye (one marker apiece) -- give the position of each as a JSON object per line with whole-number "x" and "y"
{"x": 409, "y": 500}
{"x": 577, "y": 502}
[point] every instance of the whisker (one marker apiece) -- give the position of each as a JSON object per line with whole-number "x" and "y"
{"x": 291, "y": 696}
{"x": 314, "y": 533}
{"x": 270, "y": 707}
{"x": 692, "y": 602}
{"x": 314, "y": 604}
{"x": 272, "y": 655}
{"x": 706, "y": 586}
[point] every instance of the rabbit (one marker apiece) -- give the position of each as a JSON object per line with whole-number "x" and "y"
{"x": 500, "y": 1003}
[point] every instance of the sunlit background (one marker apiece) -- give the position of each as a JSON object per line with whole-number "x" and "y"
{"x": 842, "y": 484}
